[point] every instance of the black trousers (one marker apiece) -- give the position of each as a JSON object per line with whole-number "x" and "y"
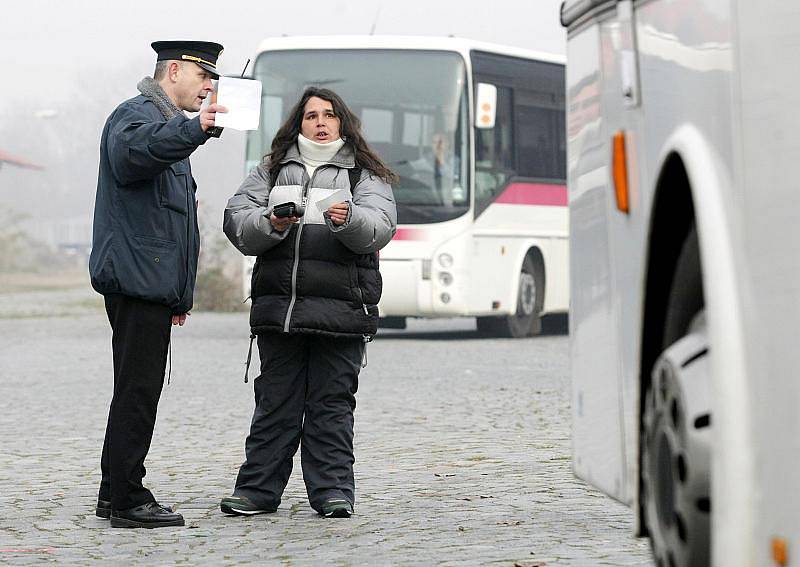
{"x": 305, "y": 395}
{"x": 140, "y": 338}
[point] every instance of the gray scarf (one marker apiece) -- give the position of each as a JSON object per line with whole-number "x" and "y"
{"x": 153, "y": 91}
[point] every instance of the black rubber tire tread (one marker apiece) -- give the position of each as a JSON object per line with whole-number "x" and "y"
{"x": 518, "y": 325}
{"x": 686, "y": 291}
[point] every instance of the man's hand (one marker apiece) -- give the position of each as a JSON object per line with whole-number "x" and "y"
{"x": 180, "y": 319}
{"x": 338, "y": 213}
{"x": 282, "y": 223}
{"x": 208, "y": 115}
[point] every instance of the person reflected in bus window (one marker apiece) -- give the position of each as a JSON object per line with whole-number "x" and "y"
{"x": 440, "y": 168}
{"x": 315, "y": 288}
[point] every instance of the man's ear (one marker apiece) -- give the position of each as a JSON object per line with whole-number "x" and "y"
{"x": 173, "y": 70}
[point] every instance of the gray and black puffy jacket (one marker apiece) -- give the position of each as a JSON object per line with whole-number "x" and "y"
{"x": 315, "y": 277}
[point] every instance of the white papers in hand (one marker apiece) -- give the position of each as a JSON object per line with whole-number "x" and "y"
{"x": 338, "y": 196}
{"x": 242, "y": 98}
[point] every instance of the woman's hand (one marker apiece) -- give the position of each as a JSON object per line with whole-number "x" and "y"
{"x": 282, "y": 223}
{"x": 338, "y": 213}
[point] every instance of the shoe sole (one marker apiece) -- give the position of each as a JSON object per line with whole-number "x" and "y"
{"x": 340, "y": 513}
{"x": 125, "y": 523}
{"x": 233, "y": 511}
{"x": 103, "y": 513}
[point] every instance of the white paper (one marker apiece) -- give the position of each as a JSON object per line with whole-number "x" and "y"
{"x": 242, "y": 98}
{"x": 338, "y": 196}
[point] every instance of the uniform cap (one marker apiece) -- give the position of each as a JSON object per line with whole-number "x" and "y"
{"x": 203, "y": 53}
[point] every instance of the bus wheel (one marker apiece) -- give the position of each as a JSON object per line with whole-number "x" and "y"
{"x": 676, "y": 453}
{"x": 676, "y": 427}
{"x": 527, "y": 320}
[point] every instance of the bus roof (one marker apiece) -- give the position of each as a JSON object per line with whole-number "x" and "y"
{"x": 457, "y": 44}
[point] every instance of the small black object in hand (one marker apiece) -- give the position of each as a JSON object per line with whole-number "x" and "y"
{"x": 290, "y": 209}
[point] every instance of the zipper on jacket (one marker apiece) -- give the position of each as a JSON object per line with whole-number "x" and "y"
{"x": 361, "y": 297}
{"x": 296, "y": 263}
{"x": 189, "y": 212}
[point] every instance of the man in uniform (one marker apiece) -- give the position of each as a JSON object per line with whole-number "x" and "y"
{"x": 144, "y": 258}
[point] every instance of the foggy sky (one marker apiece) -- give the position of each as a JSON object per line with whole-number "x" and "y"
{"x": 50, "y": 44}
{"x": 67, "y": 64}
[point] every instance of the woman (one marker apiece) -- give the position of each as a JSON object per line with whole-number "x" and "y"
{"x": 314, "y": 290}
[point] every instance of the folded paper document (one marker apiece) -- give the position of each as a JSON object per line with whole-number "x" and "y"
{"x": 242, "y": 98}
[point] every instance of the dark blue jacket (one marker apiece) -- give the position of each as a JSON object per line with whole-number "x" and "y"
{"x": 146, "y": 241}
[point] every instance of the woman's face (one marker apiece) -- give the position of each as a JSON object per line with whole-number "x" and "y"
{"x": 320, "y": 124}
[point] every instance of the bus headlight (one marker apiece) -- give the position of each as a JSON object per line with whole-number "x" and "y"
{"x": 445, "y": 278}
{"x": 445, "y": 260}
{"x": 445, "y": 297}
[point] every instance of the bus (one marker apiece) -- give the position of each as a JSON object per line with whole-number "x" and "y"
{"x": 476, "y": 134}
{"x": 683, "y": 159}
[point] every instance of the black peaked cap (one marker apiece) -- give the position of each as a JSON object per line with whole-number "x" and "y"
{"x": 203, "y": 53}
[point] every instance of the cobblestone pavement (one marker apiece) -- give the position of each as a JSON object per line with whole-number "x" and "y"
{"x": 462, "y": 448}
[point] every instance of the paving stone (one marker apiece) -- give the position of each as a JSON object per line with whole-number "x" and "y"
{"x": 462, "y": 451}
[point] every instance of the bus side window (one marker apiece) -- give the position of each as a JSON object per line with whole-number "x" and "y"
{"x": 540, "y": 142}
{"x": 494, "y": 153}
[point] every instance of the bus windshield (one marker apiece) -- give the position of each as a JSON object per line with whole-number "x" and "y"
{"x": 413, "y": 109}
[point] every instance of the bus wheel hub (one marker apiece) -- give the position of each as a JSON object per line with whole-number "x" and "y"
{"x": 676, "y": 461}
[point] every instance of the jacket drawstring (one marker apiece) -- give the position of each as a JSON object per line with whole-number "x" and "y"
{"x": 249, "y": 356}
{"x": 169, "y": 354}
{"x": 366, "y": 339}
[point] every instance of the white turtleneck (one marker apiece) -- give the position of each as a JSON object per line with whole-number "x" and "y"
{"x": 315, "y": 154}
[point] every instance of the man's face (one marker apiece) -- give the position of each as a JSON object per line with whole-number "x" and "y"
{"x": 192, "y": 86}
{"x": 320, "y": 124}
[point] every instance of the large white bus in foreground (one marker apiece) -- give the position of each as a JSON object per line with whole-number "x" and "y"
{"x": 683, "y": 169}
{"x": 476, "y": 134}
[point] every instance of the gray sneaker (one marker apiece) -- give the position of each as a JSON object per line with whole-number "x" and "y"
{"x": 241, "y": 506}
{"x": 336, "y": 508}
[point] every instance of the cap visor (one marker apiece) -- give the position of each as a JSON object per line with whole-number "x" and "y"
{"x": 209, "y": 68}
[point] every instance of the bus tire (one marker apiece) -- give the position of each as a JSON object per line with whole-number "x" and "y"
{"x": 527, "y": 320}
{"x": 676, "y": 427}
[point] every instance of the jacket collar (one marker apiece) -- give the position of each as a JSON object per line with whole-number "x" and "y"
{"x": 153, "y": 91}
{"x": 343, "y": 158}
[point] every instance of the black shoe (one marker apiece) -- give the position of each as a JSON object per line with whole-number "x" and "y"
{"x": 103, "y": 509}
{"x": 149, "y": 515}
{"x": 241, "y": 506}
{"x": 336, "y": 508}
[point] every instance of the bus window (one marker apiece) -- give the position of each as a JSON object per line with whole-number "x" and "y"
{"x": 377, "y": 124}
{"x": 540, "y": 142}
{"x": 494, "y": 155}
{"x": 413, "y": 107}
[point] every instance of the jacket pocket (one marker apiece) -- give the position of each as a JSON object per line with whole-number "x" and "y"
{"x": 154, "y": 242}
{"x": 174, "y": 188}
{"x": 153, "y": 270}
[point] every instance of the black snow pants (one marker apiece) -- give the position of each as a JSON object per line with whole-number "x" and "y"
{"x": 305, "y": 396}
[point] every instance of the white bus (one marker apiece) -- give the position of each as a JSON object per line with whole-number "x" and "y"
{"x": 684, "y": 160}
{"x": 482, "y": 218}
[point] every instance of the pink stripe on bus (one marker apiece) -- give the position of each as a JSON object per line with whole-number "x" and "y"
{"x": 409, "y": 234}
{"x": 534, "y": 194}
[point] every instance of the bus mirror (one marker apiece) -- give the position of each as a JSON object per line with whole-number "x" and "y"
{"x": 485, "y": 106}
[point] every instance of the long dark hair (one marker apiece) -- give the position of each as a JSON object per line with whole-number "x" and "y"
{"x": 349, "y": 130}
